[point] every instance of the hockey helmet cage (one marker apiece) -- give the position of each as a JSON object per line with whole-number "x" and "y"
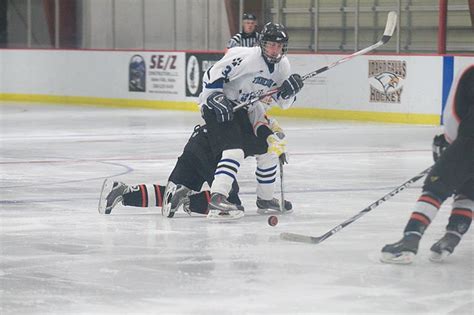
{"x": 277, "y": 33}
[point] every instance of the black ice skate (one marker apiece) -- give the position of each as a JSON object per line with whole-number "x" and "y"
{"x": 111, "y": 194}
{"x": 221, "y": 208}
{"x": 403, "y": 251}
{"x": 445, "y": 246}
{"x": 273, "y": 205}
{"x": 175, "y": 196}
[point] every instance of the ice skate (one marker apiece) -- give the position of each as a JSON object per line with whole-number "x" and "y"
{"x": 272, "y": 206}
{"x": 221, "y": 208}
{"x": 175, "y": 196}
{"x": 111, "y": 194}
{"x": 401, "y": 252}
{"x": 445, "y": 246}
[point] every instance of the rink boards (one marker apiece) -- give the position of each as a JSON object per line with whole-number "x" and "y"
{"x": 385, "y": 88}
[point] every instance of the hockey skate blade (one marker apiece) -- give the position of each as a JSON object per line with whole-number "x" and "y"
{"x": 437, "y": 257}
{"x": 166, "y": 211}
{"x": 404, "y": 258}
{"x": 105, "y": 191}
{"x": 273, "y": 212}
{"x": 215, "y": 215}
{"x": 293, "y": 237}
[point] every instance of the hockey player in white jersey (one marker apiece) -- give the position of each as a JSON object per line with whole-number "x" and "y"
{"x": 243, "y": 74}
{"x": 243, "y": 134}
{"x": 453, "y": 173}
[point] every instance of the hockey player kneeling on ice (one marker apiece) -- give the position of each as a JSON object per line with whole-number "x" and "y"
{"x": 189, "y": 172}
{"x": 452, "y": 173}
{"x": 243, "y": 73}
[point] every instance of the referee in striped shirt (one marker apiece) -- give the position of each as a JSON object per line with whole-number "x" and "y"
{"x": 249, "y": 35}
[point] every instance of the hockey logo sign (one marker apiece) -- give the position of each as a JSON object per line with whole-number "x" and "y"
{"x": 196, "y": 65}
{"x": 137, "y": 74}
{"x": 192, "y": 75}
{"x": 386, "y": 80}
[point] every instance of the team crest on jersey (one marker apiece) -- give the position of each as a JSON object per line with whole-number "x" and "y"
{"x": 244, "y": 97}
{"x": 235, "y": 63}
{"x": 263, "y": 81}
{"x": 386, "y": 79}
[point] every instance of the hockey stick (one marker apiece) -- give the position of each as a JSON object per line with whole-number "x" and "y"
{"x": 387, "y": 34}
{"x": 282, "y": 160}
{"x": 318, "y": 239}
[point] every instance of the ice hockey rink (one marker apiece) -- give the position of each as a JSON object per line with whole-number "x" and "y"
{"x": 60, "y": 256}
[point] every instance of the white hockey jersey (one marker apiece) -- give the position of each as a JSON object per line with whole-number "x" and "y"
{"x": 243, "y": 74}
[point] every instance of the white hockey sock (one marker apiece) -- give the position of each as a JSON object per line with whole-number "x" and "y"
{"x": 226, "y": 171}
{"x": 266, "y": 175}
{"x": 426, "y": 208}
{"x": 423, "y": 214}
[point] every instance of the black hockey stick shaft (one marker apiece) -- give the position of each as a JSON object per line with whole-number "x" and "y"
{"x": 387, "y": 34}
{"x": 318, "y": 239}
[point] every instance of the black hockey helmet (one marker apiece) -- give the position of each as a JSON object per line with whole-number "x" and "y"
{"x": 277, "y": 33}
{"x": 249, "y": 16}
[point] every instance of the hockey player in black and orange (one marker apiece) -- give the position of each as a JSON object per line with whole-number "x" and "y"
{"x": 194, "y": 167}
{"x": 452, "y": 174}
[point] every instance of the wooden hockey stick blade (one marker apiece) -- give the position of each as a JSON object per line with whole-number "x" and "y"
{"x": 389, "y": 27}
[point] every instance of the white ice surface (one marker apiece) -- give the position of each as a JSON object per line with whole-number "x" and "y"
{"x": 59, "y": 256}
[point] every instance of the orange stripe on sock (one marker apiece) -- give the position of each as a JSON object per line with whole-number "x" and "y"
{"x": 421, "y": 218}
{"x": 463, "y": 212}
{"x": 144, "y": 197}
{"x": 158, "y": 194}
{"x": 430, "y": 200}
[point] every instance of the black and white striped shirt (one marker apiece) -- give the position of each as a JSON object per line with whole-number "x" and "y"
{"x": 243, "y": 40}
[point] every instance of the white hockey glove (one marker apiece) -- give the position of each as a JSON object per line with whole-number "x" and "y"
{"x": 277, "y": 146}
{"x": 439, "y": 146}
{"x": 222, "y": 106}
{"x": 291, "y": 86}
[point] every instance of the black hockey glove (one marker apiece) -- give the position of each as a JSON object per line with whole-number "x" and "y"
{"x": 439, "y": 146}
{"x": 291, "y": 86}
{"x": 222, "y": 106}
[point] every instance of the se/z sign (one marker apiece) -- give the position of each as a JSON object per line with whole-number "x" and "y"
{"x": 163, "y": 62}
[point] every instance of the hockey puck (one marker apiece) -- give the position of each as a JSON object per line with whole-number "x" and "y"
{"x": 272, "y": 220}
